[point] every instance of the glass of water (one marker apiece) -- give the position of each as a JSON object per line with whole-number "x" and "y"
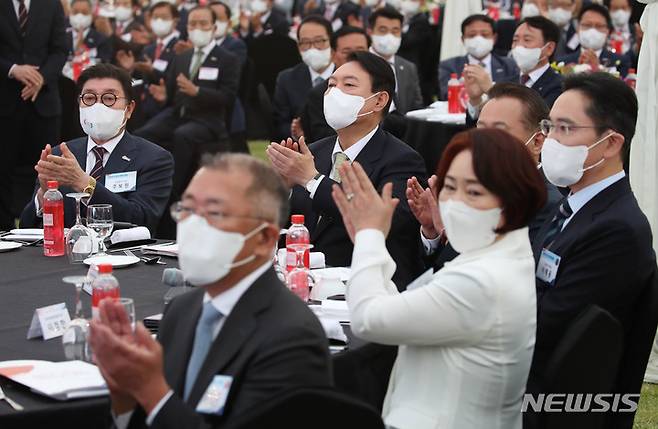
{"x": 99, "y": 218}
{"x": 129, "y": 305}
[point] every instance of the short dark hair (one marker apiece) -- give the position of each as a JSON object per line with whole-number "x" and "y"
{"x": 172, "y": 8}
{"x": 82, "y": 1}
{"x": 381, "y": 74}
{"x": 549, "y": 30}
{"x": 504, "y": 166}
{"x": 612, "y": 103}
{"x": 534, "y": 107}
{"x": 107, "y": 71}
{"x": 316, "y": 19}
{"x": 597, "y": 8}
{"x": 478, "y": 17}
{"x": 384, "y": 12}
{"x": 227, "y": 8}
{"x": 212, "y": 12}
{"x": 608, "y": 2}
{"x": 346, "y": 30}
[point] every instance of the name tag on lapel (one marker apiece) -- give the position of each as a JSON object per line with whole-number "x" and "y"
{"x": 547, "y": 267}
{"x": 213, "y": 400}
{"x": 208, "y": 73}
{"x": 121, "y": 182}
{"x": 160, "y": 65}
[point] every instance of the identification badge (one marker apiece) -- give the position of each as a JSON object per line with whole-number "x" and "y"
{"x": 49, "y": 322}
{"x": 208, "y": 73}
{"x": 214, "y": 399}
{"x": 422, "y": 280}
{"x": 121, "y": 182}
{"x": 573, "y": 42}
{"x": 160, "y": 65}
{"x": 547, "y": 267}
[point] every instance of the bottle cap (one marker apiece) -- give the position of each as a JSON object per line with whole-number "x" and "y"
{"x": 453, "y": 75}
{"x": 53, "y": 184}
{"x": 105, "y": 269}
{"x": 297, "y": 219}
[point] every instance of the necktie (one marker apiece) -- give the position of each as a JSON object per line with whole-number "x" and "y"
{"x": 98, "y": 171}
{"x": 22, "y": 17}
{"x": 196, "y": 64}
{"x": 203, "y": 338}
{"x": 563, "y": 213}
{"x": 524, "y": 79}
{"x": 158, "y": 50}
{"x": 340, "y": 159}
{"x": 317, "y": 81}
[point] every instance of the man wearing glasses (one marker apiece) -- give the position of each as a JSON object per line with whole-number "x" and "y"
{"x": 111, "y": 165}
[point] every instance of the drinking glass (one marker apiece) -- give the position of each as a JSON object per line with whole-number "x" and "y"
{"x": 99, "y": 218}
{"x": 80, "y": 239}
{"x": 75, "y": 336}
{"x": 300, "y": 280}
{"x": 129, "y": 305}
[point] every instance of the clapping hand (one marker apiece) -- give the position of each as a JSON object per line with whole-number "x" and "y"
{"x": 588, "y": 56}
{"x": 424, "y": 206}
{"x": 65, "y": 169}
{"x": 186, "y": 86}
{"x": 182, "y": 46}
{"x": 476, "y": 82}
{"x": 293, "y": 161}
{"x": 126, "y": 60}
{"x": 158, "y": 91}
{"x": 360, "y": 204}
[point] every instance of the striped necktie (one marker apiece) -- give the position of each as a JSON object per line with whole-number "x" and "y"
{"x": 524, "y": 79}
{"x": 98, "y": 171}
{"x": 563, "y": 213}
{"x": 338, "y": 161}
{"x": 22, "y": 17}
{"x": 203, "y": 338}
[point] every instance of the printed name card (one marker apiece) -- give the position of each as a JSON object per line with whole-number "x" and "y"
{"x": 49, "y": 322}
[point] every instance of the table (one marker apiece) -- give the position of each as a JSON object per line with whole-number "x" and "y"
{"x": 430, "y": 139}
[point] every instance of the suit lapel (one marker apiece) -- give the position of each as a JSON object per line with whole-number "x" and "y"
{"x": 11, "y": 13}
{"x": 122, "y": 157}
{"x": 212, "y": 60}
{"x": 32, "y": 17}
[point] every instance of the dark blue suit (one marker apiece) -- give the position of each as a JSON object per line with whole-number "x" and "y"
{"x": 167, "y": 54}
{"x": 502, "y": 70}
{"x": 607, "y": 59}
{"x": 549, "y": 86}
{"x": 290, "y": 94}
{"x": 239, "y": 48}
{"x": 93, "y": 40}
{"x": 144, "y": 206}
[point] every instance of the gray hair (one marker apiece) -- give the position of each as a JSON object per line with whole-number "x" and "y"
{"x": 267, "y": 193}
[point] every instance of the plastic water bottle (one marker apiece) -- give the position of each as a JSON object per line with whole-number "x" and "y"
{"x": 631, "y": 78}
{"x": 297, "y": 234}
{"x": 53, "y": 221}
{"x": 516, "y": 11}
{"x": 103, "y": 286}
{"x": 454, "y": 88}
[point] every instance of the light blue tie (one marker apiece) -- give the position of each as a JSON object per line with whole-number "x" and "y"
{"x": 203, "y": 338}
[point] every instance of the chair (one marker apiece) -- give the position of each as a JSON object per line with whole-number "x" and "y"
{"x": 317, "y": 408}
{"x": 637, "y": 350}
{"x": 585, "y": 361}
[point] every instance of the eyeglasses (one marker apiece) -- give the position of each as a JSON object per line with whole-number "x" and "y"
{"x": 108, "y": 99}
{"x": 316, "y": 43}
{"x": 546, "y": 127}
{"x": 179, "y": 212}
{"x": 600, "y": 27}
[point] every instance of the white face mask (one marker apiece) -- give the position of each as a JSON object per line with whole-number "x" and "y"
{"x": 200, "y": 38}
{"x": 592, "y": 39}
{"x": 559, "y": 16}
{"x": 341, "y": 110}
{"x": 221, "y": 27}
{"x": 122, "y": 13}
{"x": 620, "y": 17}
{"x": 528, "y": 10}
{"x": 100, "y": 122}
{"x": 386, "y": 45}
{"x": 564, "y": 165}
{"x": 258, "y": 6}
{"x": 161, "y": 27}
{"x": 317, "y": 59}
{"x": 205, "y": 253}
{"x": 80, "y": 21}
{"x": 526, "y": 58}
{"x": 478, "y": 46}
{"x": 409, "y": 7}
{"x": 468, "y": 228}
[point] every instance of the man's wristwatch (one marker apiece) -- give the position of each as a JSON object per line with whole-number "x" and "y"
{"x": 311, "y": 183}
{"x": 91, "y": 187}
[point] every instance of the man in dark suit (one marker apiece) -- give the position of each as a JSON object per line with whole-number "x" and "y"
{"x": 419, "y": 46}
{"x": 597, "y": 248}
{"x": 111, "y": 165}
{"x": 533, "y": 48}
{"x": 240, "y": 338}
{"x": 124, "y": 21}
{"x": 200, "y": 90}
{"x": 264, "y": 20}
{"x": 293, "y": 84}
{"x": 223, "y": 34}
{"x": 312, "y": 172}
{"x": 83, "y": 37}
{"x": 479, "y": 37}
{"x": 32, "y": 54}
{"x": 338, "y": 12}
{"x": 594, "y": 28}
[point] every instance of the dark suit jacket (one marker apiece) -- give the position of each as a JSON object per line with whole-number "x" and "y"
{"x": 44, "y": 46}
{"x": 93, "y": 40}
{"x": 607, "y": 59}
{"x": 144, "y": 206}
{"x": 385, "y": 159}
{"x": 215, "y": 97}
{"x": 606, "y": 259}
{"x": 167, "y": 54}
{"x": 270, "y": 343}
{"x": 565, "y": 37}
{"x": 344, "y": 11}
{"x": 276, "y": 23}
{"x": 292, "y": 87}
{"x": 502, "y": 70}
{"x": 237, "y": 46}
{"x": 407, "y": 97}
{"x": 549, "y": 86}
{"x": 418, "y": 47}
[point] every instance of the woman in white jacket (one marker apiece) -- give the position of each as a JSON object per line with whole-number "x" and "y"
{"x": 466, "y": 336}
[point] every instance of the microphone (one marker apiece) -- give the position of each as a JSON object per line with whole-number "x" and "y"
{"x": 174, "y": 279}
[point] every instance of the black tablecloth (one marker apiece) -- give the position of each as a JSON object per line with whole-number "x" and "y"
{"x": 429, "y": 139}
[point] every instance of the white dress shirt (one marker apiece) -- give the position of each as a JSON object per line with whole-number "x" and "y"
{"x": 324, "y": 75}
{"x": 578, "y": 200}
{"x": 224, "y": 303}
{"x": 352, "y": 152}
{"x": 486, "y": 61}
{"x": 465, "y": 338}
{"x": 206, "y": 51}
{"x": 167, "y": 39}
{"x": 16, "y": 6}
{"x": 536, "y": 74}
